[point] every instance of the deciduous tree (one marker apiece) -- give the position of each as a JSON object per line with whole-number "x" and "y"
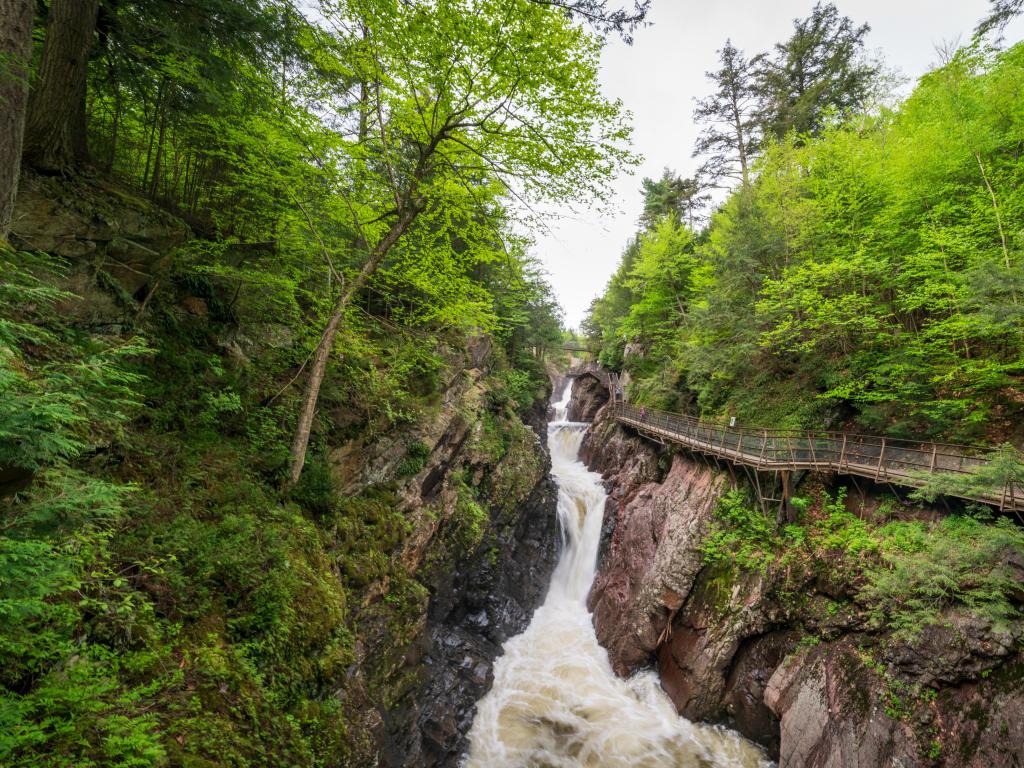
{"x": 460, "y": 91}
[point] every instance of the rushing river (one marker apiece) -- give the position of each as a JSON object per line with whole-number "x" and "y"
{"x": 555, "y": 702}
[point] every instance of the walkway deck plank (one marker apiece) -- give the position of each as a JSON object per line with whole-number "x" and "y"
{"x": 880, "y": 459}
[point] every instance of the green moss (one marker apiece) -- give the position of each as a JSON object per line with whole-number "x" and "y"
{"x": 470, "y": 518}
{"x": 416, "y": 456}
{"x": 715, "y": 585}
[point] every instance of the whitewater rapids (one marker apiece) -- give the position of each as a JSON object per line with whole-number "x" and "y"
{"x": 555, "y": 702}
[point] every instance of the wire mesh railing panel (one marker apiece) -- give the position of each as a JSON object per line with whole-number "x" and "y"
{"x": 881, "y": 458}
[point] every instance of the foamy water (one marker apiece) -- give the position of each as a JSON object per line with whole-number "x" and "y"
{"x": 555, "y": 702}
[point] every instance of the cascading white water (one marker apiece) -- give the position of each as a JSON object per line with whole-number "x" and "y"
{"x": 555, "y": 702}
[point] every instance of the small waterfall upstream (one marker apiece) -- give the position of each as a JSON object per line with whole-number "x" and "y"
{"x": 555, "y": 702}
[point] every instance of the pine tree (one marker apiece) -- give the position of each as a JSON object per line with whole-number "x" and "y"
{"x": 729, "y": 114}
{"x": 819, "y": 71}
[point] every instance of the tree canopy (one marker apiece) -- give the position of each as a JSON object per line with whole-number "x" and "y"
{"x": 868, "y": 272}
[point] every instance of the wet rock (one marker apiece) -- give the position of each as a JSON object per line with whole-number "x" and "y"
{"x": 961, "y": 647}
{"x": 752, "y": 667}
{"x": 830, "y": 714}
{"x": 790, "y": 659}
{"x": 700, "y": 647}
{"x": 474, "y": 608}
{"x": 652, "y": 561}
{"x": 589, "y": 395}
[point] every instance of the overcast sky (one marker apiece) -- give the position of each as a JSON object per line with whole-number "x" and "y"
{"x": 659, "y": 77}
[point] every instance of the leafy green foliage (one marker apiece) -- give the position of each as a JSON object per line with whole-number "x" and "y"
{"x": 416, "y": 456}
{"x": 905, "y": 573}
{"x": 959, "y": 561}
{"x": 71, "y": 625}
{"x": 745, "y": 536}
{"x": 866, "y": 275}
{"x": 164, "y": 602}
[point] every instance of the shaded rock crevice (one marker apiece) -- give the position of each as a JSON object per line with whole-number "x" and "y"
{"x": 485, "y": 597}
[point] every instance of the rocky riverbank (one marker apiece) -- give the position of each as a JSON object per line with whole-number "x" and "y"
{"x": 786, "y": 655}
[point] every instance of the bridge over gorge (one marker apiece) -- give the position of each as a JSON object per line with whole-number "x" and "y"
{"x": 881, "y": 459}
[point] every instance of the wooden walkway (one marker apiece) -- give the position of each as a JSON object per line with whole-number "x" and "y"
{"x": 881, "y": 459}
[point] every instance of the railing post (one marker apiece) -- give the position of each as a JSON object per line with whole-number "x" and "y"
{"x": 935, "y": 452}
{"x": 739, "y": 446}
{"x": 881, "y": 456}
{"x": 764, "y": 446}
{"x": 842, "y": 453}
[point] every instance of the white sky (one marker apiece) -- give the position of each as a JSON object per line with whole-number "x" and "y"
{"x": 659, "y": 77}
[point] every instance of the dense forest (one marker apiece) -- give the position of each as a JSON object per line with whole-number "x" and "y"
{"x": 273, "y": 339}
{"x": 866, "y": 267}
{"x": 316, "y": 213}
{"x": 864, "y": 271}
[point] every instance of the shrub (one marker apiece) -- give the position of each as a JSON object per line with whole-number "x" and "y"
{"x": 416, "y": 456}
{"x": 924, "y": 569}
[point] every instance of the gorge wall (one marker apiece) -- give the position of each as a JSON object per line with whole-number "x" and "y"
{"x": 356, "y": 615}
{"x": 788, "y": 659}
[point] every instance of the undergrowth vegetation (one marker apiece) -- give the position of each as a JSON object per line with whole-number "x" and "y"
{"x": 163, "y": 601}
{"x": 904, "y": 574}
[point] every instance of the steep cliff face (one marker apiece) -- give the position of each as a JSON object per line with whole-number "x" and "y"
{"x": 588, "y": 397}
{"x": 789, "y": 660}
{"x": 479, "y": 598}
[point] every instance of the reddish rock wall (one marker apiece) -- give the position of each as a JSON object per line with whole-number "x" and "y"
{"x": 732, "y": 646}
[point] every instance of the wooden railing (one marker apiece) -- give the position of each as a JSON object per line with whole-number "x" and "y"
{"x": 882, "y": 459}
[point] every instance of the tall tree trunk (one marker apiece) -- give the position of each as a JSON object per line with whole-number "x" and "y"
{"x": 55, "y": 127}
{"x": 323, "y": 349}
{"x": 15, "y": 51}
{"x": 153, "y": 187}
{"x": 112, "y": 152}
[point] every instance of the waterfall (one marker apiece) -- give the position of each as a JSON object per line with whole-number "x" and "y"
{"x": 555, "y": 702}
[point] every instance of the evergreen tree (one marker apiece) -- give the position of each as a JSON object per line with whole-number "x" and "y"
{"x": 55, "y": 130}
{"x": 15, "y": 53}
{"x": 622, "y": 21}
{"x": 1000, "y": 14}
{"x": 819, "y": 72}
{"x": 731, "y": 132}
{"x": 671, "y": 194}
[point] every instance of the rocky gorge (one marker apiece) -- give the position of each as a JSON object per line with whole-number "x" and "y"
{"x": 419, "y": 549}
{"x": 424, "y": 548}
{"x": 787, "y": 656}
